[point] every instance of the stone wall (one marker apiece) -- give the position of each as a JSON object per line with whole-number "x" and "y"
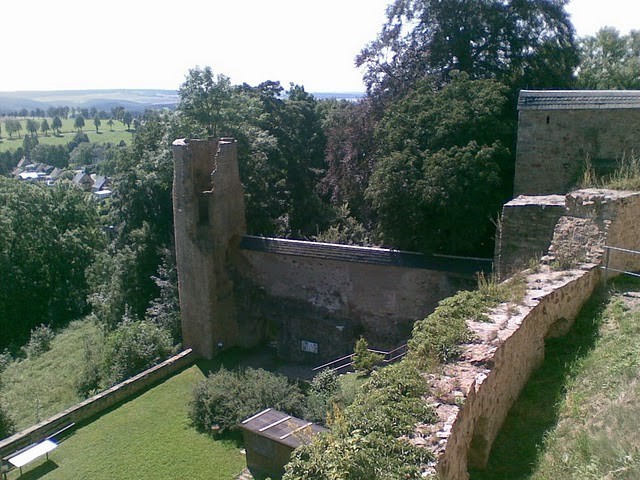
{"x": 98, "y": 403}
{"x": 475, "y": 394}
{"x": 315, "y": 305}
{"x": 208, "y": 211}
{"x": 553, "y": 145}
{"x": 526, "y": 230}
{"x": 330, "y": 303}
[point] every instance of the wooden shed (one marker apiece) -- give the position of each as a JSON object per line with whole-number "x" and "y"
{"x": 269, "y": 438}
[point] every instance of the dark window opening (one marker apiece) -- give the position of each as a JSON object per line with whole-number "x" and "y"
{"x": 203, "y": 210}
{"x": 548, "y": 120}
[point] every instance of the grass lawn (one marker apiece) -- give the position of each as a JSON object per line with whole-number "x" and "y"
{"x": 36, "y": 388}
{"x": 67, "y": 132}
{"x": 149, "y": 436}
{"x": 578, "y": 416}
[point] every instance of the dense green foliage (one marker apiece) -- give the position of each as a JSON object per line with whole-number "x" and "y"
{"x": 609, "y": 60}
{"x": 134, "y": 346}
{"x": 226, "y": 398}
{"x": 48, "y": 237}
{"x": 363, "y": 442}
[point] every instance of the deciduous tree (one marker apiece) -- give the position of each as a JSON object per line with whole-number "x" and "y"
{"x": 78, "y": 123}
{"x": 609, "y": 60}
{"x": 44, "y": 127}
{"x": 56, "y": 124}
{"x": 521, "y": 42}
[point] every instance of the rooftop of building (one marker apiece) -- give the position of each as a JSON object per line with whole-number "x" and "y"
{"x": 578, "y": 99}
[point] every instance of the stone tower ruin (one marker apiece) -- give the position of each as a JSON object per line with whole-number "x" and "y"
{"x": 209, "y": 218}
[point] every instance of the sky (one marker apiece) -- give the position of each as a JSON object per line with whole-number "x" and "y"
{"x": 76, "y": 44}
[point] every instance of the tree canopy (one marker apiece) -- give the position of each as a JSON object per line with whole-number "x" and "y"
{"x": 521, "y": 42}
{"x": 609, "y": 60}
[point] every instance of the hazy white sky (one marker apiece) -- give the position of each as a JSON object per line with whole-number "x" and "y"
{"x": 74, "y": 44}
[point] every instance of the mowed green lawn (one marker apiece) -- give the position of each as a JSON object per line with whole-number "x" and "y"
{"x": 67, "y": 132}
{"x": 148, "y": 437}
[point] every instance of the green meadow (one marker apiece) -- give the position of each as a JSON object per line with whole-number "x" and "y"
{"x": 67, "y": 132}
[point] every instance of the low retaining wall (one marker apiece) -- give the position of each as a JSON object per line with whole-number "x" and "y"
{"x": 97, "y": 403}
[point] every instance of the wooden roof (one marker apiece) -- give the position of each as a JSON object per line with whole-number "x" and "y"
{"x": 282, "y": 428}
{"x": 578, "y": 99}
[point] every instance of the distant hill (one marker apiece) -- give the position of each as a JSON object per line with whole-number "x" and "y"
{"x": 132, "y": 100}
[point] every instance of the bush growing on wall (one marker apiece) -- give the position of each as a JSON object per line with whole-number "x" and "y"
{"x": 225, "y": 398}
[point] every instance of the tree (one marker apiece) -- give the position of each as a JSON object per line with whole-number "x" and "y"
{"x": 440, "y": 201}
{"x": 349, "y": 129}
{"x": 79, "y": 123}
{"x": 110, "y": 124}
{"x": 609, "y": 60}
{"x": 96, "y": 122}
{"x": 48, "y": 238}
{"x": 521, "y": 42}
{"x": 32, "y": 127}
{"x": 204, "y": 99}
{"x": 56, "y": 124}
{"x": 9, "y": 126}
{"x": 442, "y": 159}
{"x": 365, "y": 360}
{"x": 44, "y": 127}
{"x": 127, "y": 118}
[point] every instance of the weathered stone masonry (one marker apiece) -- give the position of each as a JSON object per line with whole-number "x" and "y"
{"x": 559, "y": 130}
{"x": 493, "y": 370}
{"x": 313, "y": 299}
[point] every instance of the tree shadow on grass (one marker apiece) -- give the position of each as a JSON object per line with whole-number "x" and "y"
{"x": 516, "y": 451}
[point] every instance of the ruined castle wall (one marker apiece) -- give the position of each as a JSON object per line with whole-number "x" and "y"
{"x": 553, "y": 145}
{"x": 493, "y": 370}
{"x": 526, "y": 230}
{"x": 492, "y": 373}
{"x": 333, "y": 302}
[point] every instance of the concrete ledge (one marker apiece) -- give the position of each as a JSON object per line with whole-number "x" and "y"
{"x": 98, "y": 403}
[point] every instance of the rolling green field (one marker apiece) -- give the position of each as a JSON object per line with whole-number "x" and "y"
{"x": 67, "y": 132}
{"x": 149, "y": 436}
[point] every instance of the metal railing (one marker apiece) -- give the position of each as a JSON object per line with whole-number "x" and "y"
{"x": 607, "y": 257}
{"x": 343, "y": 364}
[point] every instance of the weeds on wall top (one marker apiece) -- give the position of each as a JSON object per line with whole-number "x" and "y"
{"x": 625, "y": 176}
{"x": 438, "y": 338}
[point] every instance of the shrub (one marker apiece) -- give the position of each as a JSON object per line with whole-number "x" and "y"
{"x": 5, "y": 359}
{"x": 40, "y": 341}
{"x": 363, "y": 442}
{"x": 323, "y": 392}
{"x": 225, "y": 398}
{"x": 364, "y": 360}
{"x": 133, "y": 347}
{"x": 6, "y": 425}
{"x": 390, "y": 402}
